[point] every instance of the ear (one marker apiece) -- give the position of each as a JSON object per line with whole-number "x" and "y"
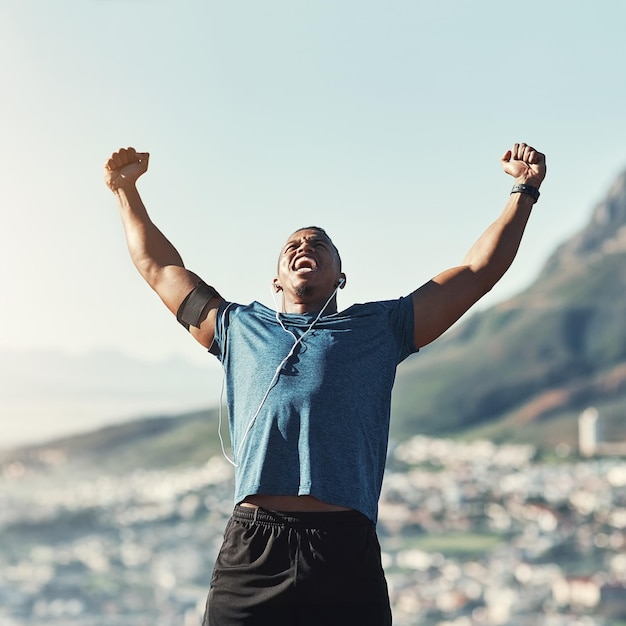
{"x": 342, "y": 280}
{"x": 277, "y": 286}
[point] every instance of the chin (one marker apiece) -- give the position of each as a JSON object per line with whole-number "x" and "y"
{"x": 303, "y": 290}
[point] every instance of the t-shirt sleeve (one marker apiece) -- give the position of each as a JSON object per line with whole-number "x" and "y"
{"x": 218, "y": 347}
{"x": 401, "y": 318}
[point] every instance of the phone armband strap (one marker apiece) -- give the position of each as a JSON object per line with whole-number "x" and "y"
{"x": 190, "y": 310}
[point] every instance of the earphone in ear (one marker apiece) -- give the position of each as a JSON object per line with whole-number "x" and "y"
{"x": 341, "y": 282}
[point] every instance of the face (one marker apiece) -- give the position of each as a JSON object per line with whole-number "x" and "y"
{"x": 308, "y": 266}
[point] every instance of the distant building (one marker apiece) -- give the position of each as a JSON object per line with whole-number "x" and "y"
{"x": 588, "y": 432}
{"x": 577, "y": 592}
{"x": 590, "y": 441}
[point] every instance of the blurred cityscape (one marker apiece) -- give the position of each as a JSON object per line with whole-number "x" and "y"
{"x": 473, "y": 534}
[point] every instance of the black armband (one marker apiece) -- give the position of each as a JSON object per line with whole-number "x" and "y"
{"x": 190, "y": 310}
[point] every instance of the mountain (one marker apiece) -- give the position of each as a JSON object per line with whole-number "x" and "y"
{"x": 152, "y": 443}
{"x": 525, "y": 369}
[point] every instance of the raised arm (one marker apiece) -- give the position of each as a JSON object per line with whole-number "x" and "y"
{"x": 443, "y": 300}
{"x": 153, "y": 255}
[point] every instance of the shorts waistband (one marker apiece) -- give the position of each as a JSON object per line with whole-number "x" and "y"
{"x": 306, "y": 519}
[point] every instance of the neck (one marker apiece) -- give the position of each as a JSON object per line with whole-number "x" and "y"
{"x": 314, "y": 306}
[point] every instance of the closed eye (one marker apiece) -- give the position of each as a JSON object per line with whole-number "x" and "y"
{"x": 315, "y": 243}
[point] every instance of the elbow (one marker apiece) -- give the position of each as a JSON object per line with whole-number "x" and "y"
{"x": 486, "y": 287}
{"x": 483, "y": 285}
{"x": 148, "y": 270}
{"x": 486, "y": 278}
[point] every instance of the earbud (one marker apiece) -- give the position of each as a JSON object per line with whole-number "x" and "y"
{"x": 341, "y": 282}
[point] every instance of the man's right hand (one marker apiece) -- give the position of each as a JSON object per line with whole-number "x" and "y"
{"x": 124, "y": 168}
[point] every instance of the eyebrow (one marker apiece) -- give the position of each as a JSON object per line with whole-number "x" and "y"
{"x": 316, "y": 238}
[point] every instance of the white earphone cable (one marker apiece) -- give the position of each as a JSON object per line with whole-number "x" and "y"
{"x": 297, "y": 341}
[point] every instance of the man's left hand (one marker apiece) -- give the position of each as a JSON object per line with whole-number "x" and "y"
{"x": 525, "y": 164}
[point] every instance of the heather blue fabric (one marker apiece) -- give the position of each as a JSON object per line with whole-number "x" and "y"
{"x": 324, "y": 426}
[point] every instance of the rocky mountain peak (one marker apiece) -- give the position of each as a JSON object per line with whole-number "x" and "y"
{"x": 604, "y": 234}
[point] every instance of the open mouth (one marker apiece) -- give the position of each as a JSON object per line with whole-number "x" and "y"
{"x": 304, "y": 264}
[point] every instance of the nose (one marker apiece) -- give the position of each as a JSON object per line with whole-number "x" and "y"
{"x": 305, "y": 246}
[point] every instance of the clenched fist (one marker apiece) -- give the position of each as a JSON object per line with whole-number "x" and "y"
{"x": 525, "y": 164}
{"x": 124, "y": 168}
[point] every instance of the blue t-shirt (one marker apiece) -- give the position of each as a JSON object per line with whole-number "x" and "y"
{"x": 318, "y": 425}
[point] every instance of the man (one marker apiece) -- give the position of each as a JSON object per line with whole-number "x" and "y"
{"x": 309, "y": 393}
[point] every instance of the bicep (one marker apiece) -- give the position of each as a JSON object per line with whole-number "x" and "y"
{"x": 440, "y": 302}
{"x": 173, "y": 285}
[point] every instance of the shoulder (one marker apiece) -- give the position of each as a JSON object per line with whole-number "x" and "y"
{"x": 398, "y": 306}
{"x": 231, "y": 310}
{"x": 233, "y": 314}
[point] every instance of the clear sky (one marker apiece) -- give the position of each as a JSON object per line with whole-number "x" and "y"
{"x": 382, "y": 121}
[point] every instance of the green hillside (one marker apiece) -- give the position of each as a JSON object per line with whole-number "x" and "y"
{"x": 153, "y": 443}
{"x": 525, "y": 369}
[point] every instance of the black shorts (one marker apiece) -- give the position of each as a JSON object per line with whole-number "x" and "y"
{"x": 298, "y": 569}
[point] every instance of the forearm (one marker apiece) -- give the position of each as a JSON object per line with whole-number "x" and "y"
{"x": 492, "y": 254}
{"x": 150, "y": 251}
